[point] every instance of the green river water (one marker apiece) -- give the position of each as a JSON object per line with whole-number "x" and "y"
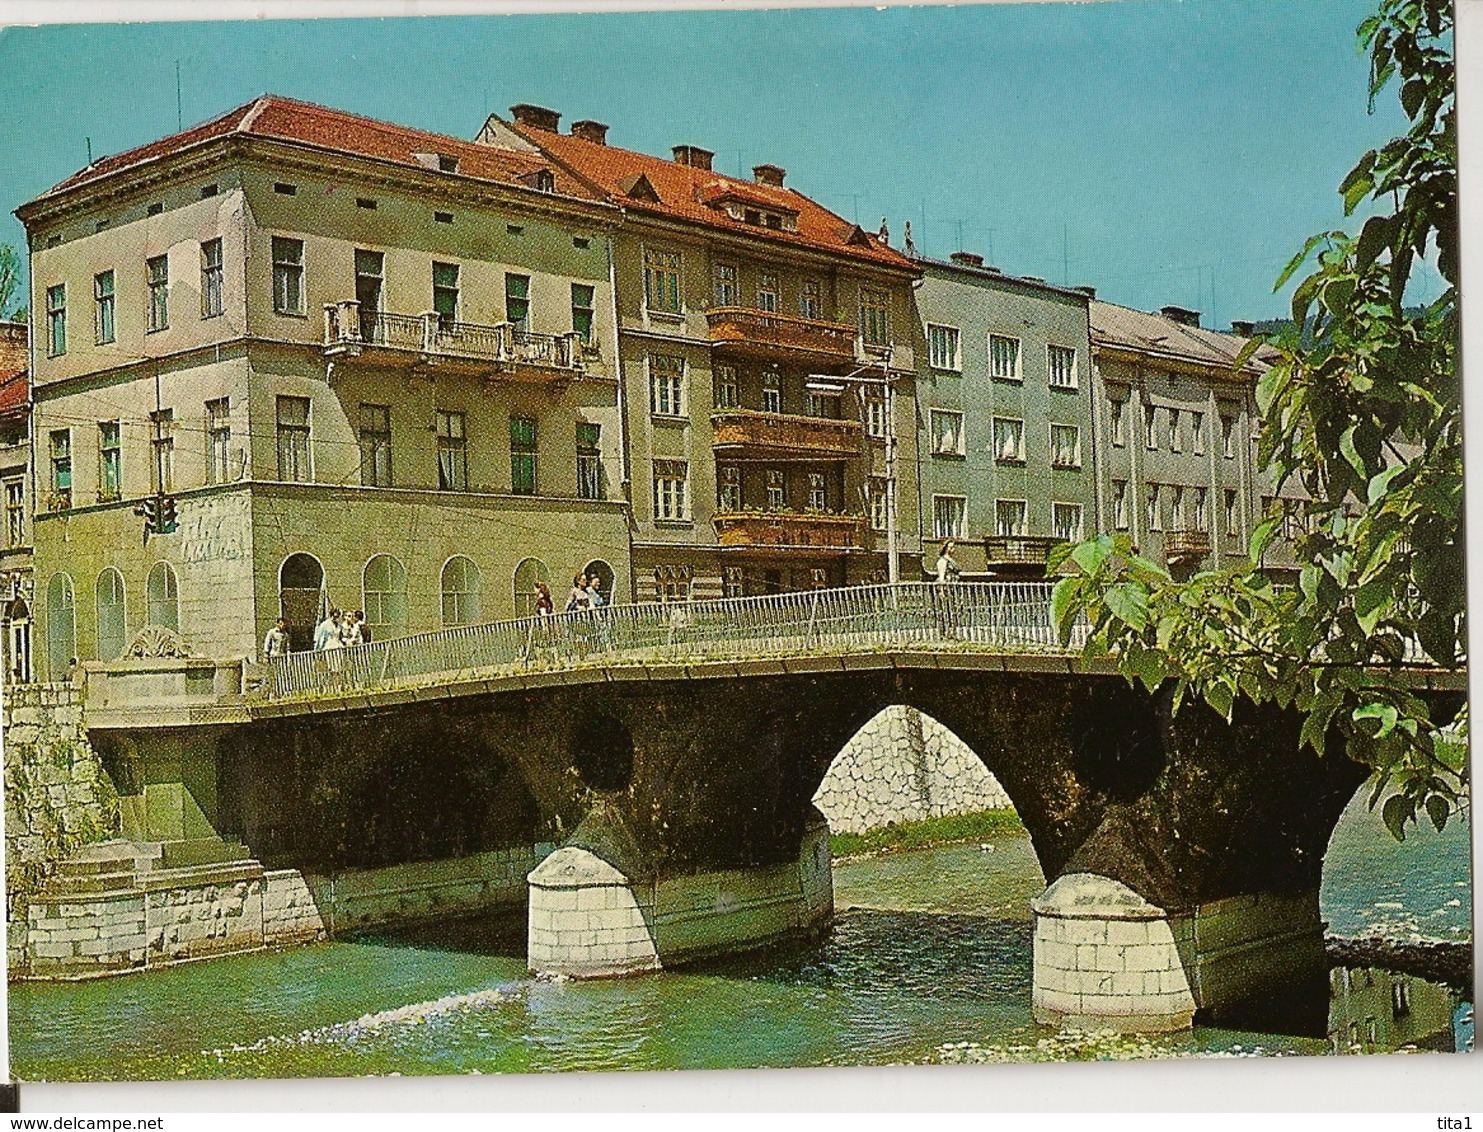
{"x": 930, "y": 947}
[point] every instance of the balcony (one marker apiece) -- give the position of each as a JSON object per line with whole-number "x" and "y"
{"x": 781, "y": 337}
{"x": 747, "y": 433}
{"x": 501, "y": 350}
{"x": 787, "y": 530}
{"x": 1186, "y": 546}
{"x": 1017, "y": 554}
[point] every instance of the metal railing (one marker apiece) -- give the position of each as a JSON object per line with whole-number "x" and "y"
{"x": 347, "y": 324}
{"x": 1000, "y": 616}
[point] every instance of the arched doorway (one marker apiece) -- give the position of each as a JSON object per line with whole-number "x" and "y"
{"x": 61, "y": 626}
{"x": 18, "y": 642}
{"x": 605, "y": 576}
{"x": 109, "y": 602}
{"x": 527, "y": 574}
{"x": 461, "y": 585}
{"x": 301, "y": 598}
{"x": 384, "y": 590}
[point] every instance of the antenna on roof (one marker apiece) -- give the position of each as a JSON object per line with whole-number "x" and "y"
{"x": 179, "y": 106}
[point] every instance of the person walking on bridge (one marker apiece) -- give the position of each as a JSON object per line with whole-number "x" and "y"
{"x": 947, "y": 566}
{"x": 275, "y": 644}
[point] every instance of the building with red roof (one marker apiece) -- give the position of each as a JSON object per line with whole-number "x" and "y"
{"x": 15, "y": 458}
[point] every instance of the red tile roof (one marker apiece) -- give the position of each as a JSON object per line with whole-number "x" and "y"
{"x": 287, "y": 119}
{"x": 15, "y": 387}
{"x": 689, "y": 193}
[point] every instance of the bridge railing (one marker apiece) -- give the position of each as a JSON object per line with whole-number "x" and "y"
{"x": 1014, "y": 616}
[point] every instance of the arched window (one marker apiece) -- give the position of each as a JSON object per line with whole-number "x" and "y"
{"x": 527, "y": 574}
{"x": 384, "y": 586}
{"x": 112, "y": 627}
{"x": 600, "y": 570}
{"x": 301, "y": 598}
{"x": 61, "y": 626}
{"x": 460, "y": 591}
{"x": 163, "y": 597}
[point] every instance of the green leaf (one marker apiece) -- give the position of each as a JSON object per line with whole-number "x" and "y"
{"x": 1065, "y": 603}
{"x": 1220, "y": 697}
{"x": 1091, "y": 554}
{"x": 1380, "y": 483}
{"x": 1260, "y": 537}
{"x": 1397, "y": 810}
{"x": 1128, "y": 602}
{"x": 1437, "y": 809}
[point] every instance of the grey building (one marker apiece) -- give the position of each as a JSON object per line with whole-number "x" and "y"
{"x": 1006, "y": 445}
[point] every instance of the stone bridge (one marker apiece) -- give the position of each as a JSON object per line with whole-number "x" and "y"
{"x": 666, "y": 788}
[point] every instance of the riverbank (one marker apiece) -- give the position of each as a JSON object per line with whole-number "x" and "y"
{"x": 901, "y": 837}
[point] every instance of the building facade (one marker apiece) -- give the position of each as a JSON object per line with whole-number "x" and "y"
{"x": 368, "y": 364}
{"x": 1006, "y": 451}
{"x": 16, "y": 586}
{"x": 762, "y": 341}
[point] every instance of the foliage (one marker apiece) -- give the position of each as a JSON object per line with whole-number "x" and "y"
{"x": 12, "y": 278}
{"x": 905, "y": 835}
{"x": 1361, "y": 406}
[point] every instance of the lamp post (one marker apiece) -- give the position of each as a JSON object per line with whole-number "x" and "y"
{"x": 830, "y": 383}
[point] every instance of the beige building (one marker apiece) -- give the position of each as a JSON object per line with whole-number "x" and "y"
{"x": 16, "y": 589}
{"x": 370, "y": 366}
{"x": 758, "y": 333}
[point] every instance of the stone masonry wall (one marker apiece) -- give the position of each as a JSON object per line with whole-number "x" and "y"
{"x": 904, "y": 766}
{"x": 57, "y": 796}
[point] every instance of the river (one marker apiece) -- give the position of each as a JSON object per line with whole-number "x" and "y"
{"x": 930, "y": 947}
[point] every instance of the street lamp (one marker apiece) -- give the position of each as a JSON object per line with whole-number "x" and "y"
{"x": 835, "y": 384}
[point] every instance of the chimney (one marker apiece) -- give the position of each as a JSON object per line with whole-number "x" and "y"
{"x": 588, "y": 130}
{"x": 1182, "y": 315}
{"x": 1089, "y": 292}
{"x": 967, "y": 259}
{"x": 536, "y": 117}
{"x": 769, "y": 175}
{"x": 1243, "y": 329}
{"x": 693, "y": 156}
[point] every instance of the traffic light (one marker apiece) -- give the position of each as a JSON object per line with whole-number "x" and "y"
{"x": 167, "y": 516}
{"x": 149, "y": 508}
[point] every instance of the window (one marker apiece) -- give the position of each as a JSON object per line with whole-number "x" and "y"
{"x": 61, "y": 626}
{"x": 370, "y": 269}
{"x": 103, "y": 300}
{"x": 942, "y": 348}
{"x": 662, "y": 281}
{"x": 666, "y": 385}
{"x": 672, "y": 583}
{"x": 818, "y": 491}
{"x": 285, "y": 189}
{"x": 461, "y": 584}
{"x": 15, "y": 512}
{"x": 725, "y": 387}
{"x": 384, "y": 594}
{"x": 445, "y": 294}
{"x": 523, "y": 455}
{"x": 768, "y": 292}
{"x": 447, "y": 164}
{"x": 1176, "y": 437}
{"x": 772, "y": 393}
{"x": 1120, "y": 505}
{"x": 375, "y": 445}
{"x": 949, "y": 516}
{"x": 1233, "y": 514}
{"x": 517, "y": 300}
{"x": 108, "y": 597}
{"x": 1004, "y": 357}
{"x": 366, "y": 202}
{"x": 1150, "y": 427}
{"x": 211, "y": 279}
{"x": 1065, "y": 521}
{"x": 293, "y": 439}
{"x": 442, "y": 218}
{"x": 1228, "y": 436}
{"x": 723, "y": 285}
{"x": 1197, "y": 433}
{"x": 1009, "y": 518}
{"x": 1176, "y": 508}
{"x": 162, "y": 449}
{"x": 729, "y": 487}
{"x": 875, "y": 323}
{"x": 56, "y": 320}
{"x": 823, "y": 405}
{"x": 453, "y": 462}
{"x": 157, "y": 269}
{"x": 589, "y": 460}
{"x": 1201, "y": 514}
{"x": 1155, "y": 516}
{"x": 154, "y": 208}
{"x": 1118, "y": 421}
{"x": 1065, "y": 446}
{"x": 1009, "y": 440}
{"x": 671, "y": 490}
{"x": 947, "y": 433}
{"x": 61, "y": 460}
{"x": 732, "y": 583}
{"x": 581, "y": 242}
{"x": 880, "y": 502}
{"x": 810, "y": 304}
{"x": 288, "y": 275}
{"x": 876, "y": 423}
{"x": 218, "y": 440}
{"x": 528, "y": 572}
{"x": 582, "y": 310}
{"x": 777, "y": 489}
{"x": 162, "y": 596}
{"x": 208, "y": 191}
{"x": 110, "y": 460}
{"x": 1061, "y": 361}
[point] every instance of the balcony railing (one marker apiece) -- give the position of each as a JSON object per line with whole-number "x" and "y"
{"x": 510, "y": 348}
{"x": 1186, "y": 545}
{"x": 777, "y": 434}
{"x": 1017, "y": 550}
{"x": 788, "y": 530}
{"x": 770, "y": 334}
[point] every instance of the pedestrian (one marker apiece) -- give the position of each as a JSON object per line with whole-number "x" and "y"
{"x": 578, "y": 598}
{"x": 947, "y": 565}
{"x": 544, "y": 605}
{"x": 350, "y": 631}
{"x": 362, "y": 630}
{"x": 275, "y": 644}
{"x": 327, "y": 630}
{"x": 594, "y": 592}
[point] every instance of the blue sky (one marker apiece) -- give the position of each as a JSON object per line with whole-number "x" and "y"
{"x": 1163, "y": 151}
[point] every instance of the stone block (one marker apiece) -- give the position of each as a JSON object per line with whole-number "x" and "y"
{"x": 1127, "y": 931}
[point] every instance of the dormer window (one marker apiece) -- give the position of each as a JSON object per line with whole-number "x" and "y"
{"x": 447, "y": 164}
{"x": 545, "y": 181}
{"x": 752, "y": 216}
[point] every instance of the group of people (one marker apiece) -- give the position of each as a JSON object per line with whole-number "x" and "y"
{"x": 339, "y": 630}
{"x": 586, "y": 593}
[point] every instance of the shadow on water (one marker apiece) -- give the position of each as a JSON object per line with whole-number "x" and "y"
{"x": 500, "y": 932}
